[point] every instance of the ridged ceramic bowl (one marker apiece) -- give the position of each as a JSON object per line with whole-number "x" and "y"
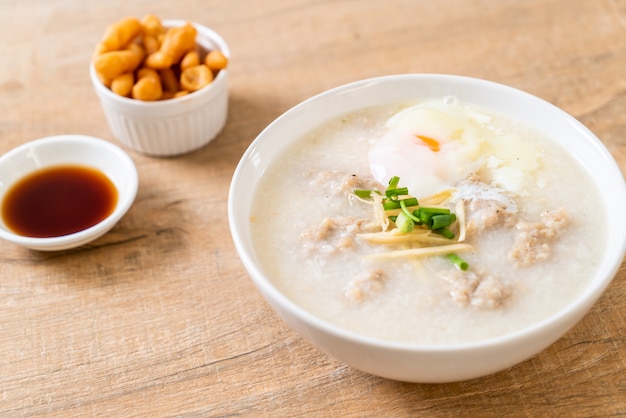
{"x": 175, "y": 126}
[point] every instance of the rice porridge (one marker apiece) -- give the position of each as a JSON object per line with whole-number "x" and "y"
{"x": 432, "y": 223}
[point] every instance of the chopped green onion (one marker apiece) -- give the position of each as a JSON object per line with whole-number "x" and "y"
{"x": 393, "y": 182}
{"x": 458, "y": 261}
{"x": 444, "y": 232}
{"x": 424, "y": 217}
{"x": 425, "y": 214}
{"x": 408, "y": 213}
{"x": 391, "y": 205}
{"x": 395, "y": 204}
{"x": 436, "y": 218}
{"x": 434, "y": 210}
{"x": 404, "y": 223}
{"x": 441, "y": 221}
{"x": 364, "y": 194}
{"x": 391, "y": 193}
{"x": 416, "y": 217}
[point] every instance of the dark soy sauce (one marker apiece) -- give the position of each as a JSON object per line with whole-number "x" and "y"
{"x": 58, "y": 201}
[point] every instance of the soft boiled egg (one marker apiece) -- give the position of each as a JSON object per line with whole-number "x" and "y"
{"x": 431, "y": 146}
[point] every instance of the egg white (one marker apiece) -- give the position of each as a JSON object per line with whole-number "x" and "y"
{"x": 462, "y": 138}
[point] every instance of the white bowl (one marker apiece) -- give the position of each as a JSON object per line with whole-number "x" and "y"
{"x": 69, "y": 149}
{"x": 170, "y": 127}
{"x": 415, "y": 362}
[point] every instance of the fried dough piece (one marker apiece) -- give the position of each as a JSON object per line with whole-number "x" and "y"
{"x": 118, "y": 35}
{"x": 176, "y": 43}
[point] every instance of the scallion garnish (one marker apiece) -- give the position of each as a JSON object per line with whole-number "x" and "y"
{"x": 458, "y": 261}
{"x": 442, "y": 221}
{"x": 425, "y": 214}
{"x": 363, "y": 194}
{"x": 394, "y": 193}
{"x": 408, "y": 213}
{"x": 445, "y": 232}
{"x": 393, "y": 182}
{"x": 395, "y": 204}
{"x": 404, "y": 223}
{"x": 438, "y": 219}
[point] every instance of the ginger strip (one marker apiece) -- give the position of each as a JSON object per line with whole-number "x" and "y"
{"x": 393, "y": 237}
{"x": 421, "y": 252}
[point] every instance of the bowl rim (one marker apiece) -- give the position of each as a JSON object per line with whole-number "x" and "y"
{"x": 208, "y": 33}
{"x": 582, "y": 303}
{"x": 122, "y": 159}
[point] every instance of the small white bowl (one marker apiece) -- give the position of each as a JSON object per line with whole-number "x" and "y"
{"x": 171, "y": 127}
{"x": 82, "y": 150}
{"x": 419, "y": 362}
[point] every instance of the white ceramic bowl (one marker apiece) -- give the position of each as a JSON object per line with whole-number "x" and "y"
{"x": 74, "y": 150}
{"x": 414, "y": 362}
{"x": 170, "y": 127}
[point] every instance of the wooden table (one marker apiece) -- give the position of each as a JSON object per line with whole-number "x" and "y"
{"x": 159, "y": 318}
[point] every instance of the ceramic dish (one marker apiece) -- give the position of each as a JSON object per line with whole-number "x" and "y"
{"x": 63, "y": 150}
{"x": 420, "y": 362}
{"x": 171, "y": 127}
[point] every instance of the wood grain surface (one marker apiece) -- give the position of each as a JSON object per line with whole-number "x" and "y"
{"x": 159, "y": 318}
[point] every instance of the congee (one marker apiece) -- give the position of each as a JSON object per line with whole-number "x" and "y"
{"x": 432, "y": 222}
